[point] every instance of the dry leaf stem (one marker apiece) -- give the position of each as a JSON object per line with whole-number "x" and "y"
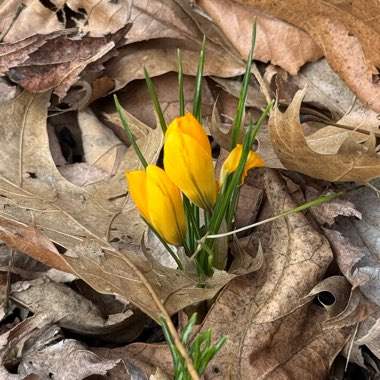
{"x": 263, "y": 85}
{"x": 182, "y": 350}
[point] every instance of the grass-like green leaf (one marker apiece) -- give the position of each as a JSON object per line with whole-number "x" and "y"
{"x": 243, "y": 92}
{"x": 156, "y": 103}
{"x": 180, "y": 85}
{"x": 129, "y": 133}
{"x": 197, "y": 104}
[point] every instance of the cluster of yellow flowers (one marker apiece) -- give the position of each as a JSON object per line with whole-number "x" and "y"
{"x": 188, "y": 168}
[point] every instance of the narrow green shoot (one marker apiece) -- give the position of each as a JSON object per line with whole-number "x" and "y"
{"x": 222, "y": 205}
{"x": 201, "y": 350}
{"x": 320, "y": 200}
{"x": 156, "y": 103}
{"x": 129, "y": 133}
{"x": 197, "y": 105}
{"x": 243, "y": 92}
{"x": 180, "y": 85}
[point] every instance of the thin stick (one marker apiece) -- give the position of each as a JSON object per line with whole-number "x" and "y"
{"x": 177, "y": 340}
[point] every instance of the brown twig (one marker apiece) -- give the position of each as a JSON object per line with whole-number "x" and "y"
{"x": 182, "y": 350}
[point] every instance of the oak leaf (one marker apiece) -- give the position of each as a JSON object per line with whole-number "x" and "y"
{"x": 346, "y": 31}
{"x": 331, "y": 154}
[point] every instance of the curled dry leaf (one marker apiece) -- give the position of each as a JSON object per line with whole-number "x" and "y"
{"x": 31, "y": 181}
{"x": 50, "y": 355}
{"x": 20, "y": 21}
{"x": 56, "y": 62}
{"x": 325, "y": 88}
{"x": 160, "y": 57}
{"x": 133, "y": 278}
{"x": 277, "y": 41}
{"x": 147, "y": 357}
{"x": 347, "y": 33}
{"x": 356, "y": 246}
{"x": 73, "y": 311}
{"x": 10, "y": 338}
{"x": 255, "y": 97}
{"x": 101, "y": 147}
{"x": 326, "y": 213}
{"x": 338, "y": 156}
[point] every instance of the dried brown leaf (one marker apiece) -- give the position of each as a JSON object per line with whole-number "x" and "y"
{"x": 20, "y": 21}
{"x": 147, "y": 357}
{"x": 32, "y": 182}
{"x": 33, "y": 242}
{"x": 324, "y": 87}
{"x": 277, "y": 41}
{"x": 10, "y": 338}
{"x": 73, "y": 311}
{"x": 356, "y": 244}
{"x": 326, "y": 213}
{"x": 101, "y": 147}
{"x": 49, "y": 354}
{"x": 136, "y": 100}
{"x": 57, "y": 61}
{"x": 255, "y": 97}
{"x": 160, "y": 57}
{"x": 125, "y": 274}
{"x": 346, "y": 31}
{"x": 335, "y": 157}
{"x": 369, "y": 333}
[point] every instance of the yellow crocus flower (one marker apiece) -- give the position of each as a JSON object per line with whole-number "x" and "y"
{"x": 159, "y": 201}
{"x": 232, "y": 161}
{"x": 188, "y": 160}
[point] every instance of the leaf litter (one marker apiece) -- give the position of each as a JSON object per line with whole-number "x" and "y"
{"x": 297, "y": 300}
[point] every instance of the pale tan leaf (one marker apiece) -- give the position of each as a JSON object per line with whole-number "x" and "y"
{"x": 82, "y": 174}
{"x": 339, "y": 157}
{"x": 73, "y": 311}
{"x": 49, "y": 354}
{"x": 126, "y": 274}
{"x": 20, "y": 21}
{"x": 159, "y": 58}
{"x": 277, "y": 41}
{"x": 136, "y": 100}
{"x": 324, "y": 87}
{"x": 255, "y": 98}
{"x": 346, "y": 31}
{"x": 10, "y": 338}
{"x": 326, "y": 213}
{"x": 356, "y": 245}
{"x": 147, "y": 357}
{"x": 101, "y": 147}
{"x": 31, "y": 180}
{"x": 369, "y": 333}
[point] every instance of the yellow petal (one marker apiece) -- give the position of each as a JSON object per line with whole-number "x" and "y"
{"x": 190, "y": 126}
{"x": 190, "y": 167}
{"x": 253, "y": 161}
{"x": 165, "y": 206}
{"x": 232, "y": 161}
{"x": 137, "y": 190}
